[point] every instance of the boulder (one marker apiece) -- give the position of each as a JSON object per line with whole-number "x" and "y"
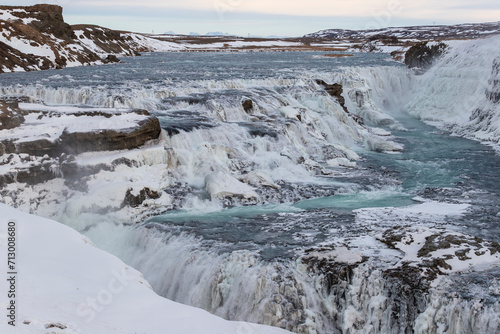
{"x": 111, "y": 59}
{"x": 220, "y": 185}
{"x": 422, "y": 55}
{"x": 247, "y": 105}
{"x": 259, "y": 179}
{"x": 10, "y": 115}
{"x": 134, "y": 198}
{"x": 334, "y": 90}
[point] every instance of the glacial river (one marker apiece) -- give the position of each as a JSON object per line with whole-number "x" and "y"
{"x": 253, "y": 262}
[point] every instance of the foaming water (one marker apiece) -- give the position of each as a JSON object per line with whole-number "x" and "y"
{"x": 301, "y": 257}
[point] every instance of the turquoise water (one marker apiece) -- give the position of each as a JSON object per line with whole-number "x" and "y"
{"x": 432, "y": 160}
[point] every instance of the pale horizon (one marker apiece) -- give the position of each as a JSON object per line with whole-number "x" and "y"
{"x": 293, "y": 18}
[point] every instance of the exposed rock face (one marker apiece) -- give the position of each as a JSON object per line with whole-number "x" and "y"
{"x": 109, "y": 140}
{"x": 134, "y": 199}
{"x": 42, "y": 27}
{"x": 30, "y": 155}
{"x": 107, "y": 40}
{"x": 247, "y": 105}
{"x": 422, "y": 55}
{"x": 336, "y": 90}
{"x": 11, "y": 59}
{"x": 48, "y": 42}
{"x": 47, "y": 19}
{"x": 341, "y": 272}
{"x": 10, "y": 115}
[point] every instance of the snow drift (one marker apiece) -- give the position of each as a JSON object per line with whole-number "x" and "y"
{"x": 66, "y": 283}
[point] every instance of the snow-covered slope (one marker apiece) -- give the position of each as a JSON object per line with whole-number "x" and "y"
{"x": 474, "y": 30}
{"x": 36, "y": 37}
{"x": 461, "y": 92}
{"x": 397, "y": 40}
{"x": 67, "y": 285}
{"x": 104, "y": 41}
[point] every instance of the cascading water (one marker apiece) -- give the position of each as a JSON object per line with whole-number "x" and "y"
{"x": 312, "y": 231}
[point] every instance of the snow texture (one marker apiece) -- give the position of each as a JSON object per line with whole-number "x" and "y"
{"x": 66, "y": 284}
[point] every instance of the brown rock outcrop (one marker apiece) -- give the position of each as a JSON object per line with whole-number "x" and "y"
{"x": 335, "y": 90}
{"x": 10, "y": 115}
{"x": 38, "y": 159}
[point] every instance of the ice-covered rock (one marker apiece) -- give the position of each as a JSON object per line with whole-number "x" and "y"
{"x": 258, "y": 179}
{"x": 223, "y": 185}
{"x": 341, "y": 162}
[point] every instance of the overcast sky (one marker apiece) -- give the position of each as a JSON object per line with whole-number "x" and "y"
{"x": 270, "y": 17}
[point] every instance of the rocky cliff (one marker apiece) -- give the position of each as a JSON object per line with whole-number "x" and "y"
{"x": 37, "y": 38}
{"x": 38, "y": 142}
{"x": 422, "y": 55}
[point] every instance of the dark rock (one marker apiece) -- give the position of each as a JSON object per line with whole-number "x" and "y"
{"x": 43, "y": 159}
{"x": 184, "y": 120}
{"x": 336, "y": 275}
{"x": 398, "y": 55}
{"x": 109, "y": 140}
{"x": 493, "y": 91}
{"x": 79, "y": 142}
{"x": 260, "y": 130}
{"x": 33, "y": 170}
{"x": 111, "y": 59}
{"x": 10, "y": 115}
{"x": 47, "y": 19}
{"x": 336, "y": 90}
{"x": 136, "y": 200}
{"x": 37, "y": 147}
{"x": 422, "y": 56}
{"x": 247, "y": 105}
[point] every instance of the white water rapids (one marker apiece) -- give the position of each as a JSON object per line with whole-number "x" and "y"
{"x": 305, "y": 251}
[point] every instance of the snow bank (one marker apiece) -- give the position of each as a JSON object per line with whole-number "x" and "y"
{"x": 460, "y": 93}
{"x": 66, "y": 284}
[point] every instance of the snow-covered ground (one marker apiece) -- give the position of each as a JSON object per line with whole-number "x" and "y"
{"x": 417, "y": 32}
{"x": 64, "y": 284}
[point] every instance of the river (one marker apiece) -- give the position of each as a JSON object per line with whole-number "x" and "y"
{"x": 317, "y": 251}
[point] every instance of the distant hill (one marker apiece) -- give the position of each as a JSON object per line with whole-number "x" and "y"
{"x": 469, "y": 31}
